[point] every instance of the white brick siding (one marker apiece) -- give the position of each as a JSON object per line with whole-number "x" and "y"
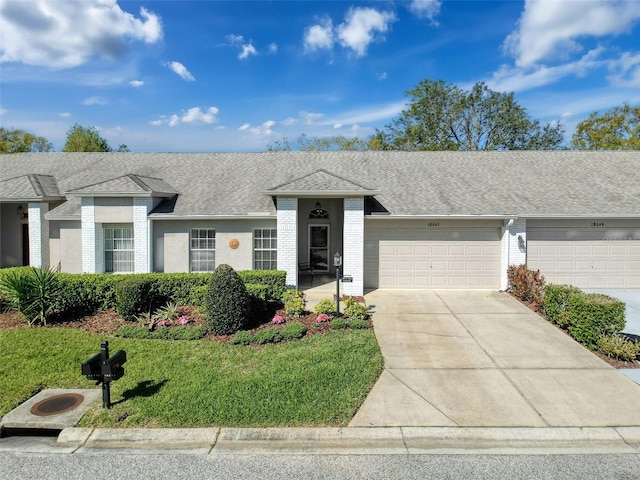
{"x": 288, "y": 238}
{"x": 353, "y": 245}
{"x": 141, "y": 234}
{"x": 38, "y": 235}
{"x": 512, "y": 253}
{"x": 88, "y": 236}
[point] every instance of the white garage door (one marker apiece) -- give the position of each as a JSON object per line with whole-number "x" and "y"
{"x": 432, "y": 255}
{"x": 587, "y": 254}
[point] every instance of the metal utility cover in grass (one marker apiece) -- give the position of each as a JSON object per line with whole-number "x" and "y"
{"x": 52, "y": 409}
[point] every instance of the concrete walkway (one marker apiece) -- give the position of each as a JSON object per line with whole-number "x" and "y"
{"x": 482, "y": 359}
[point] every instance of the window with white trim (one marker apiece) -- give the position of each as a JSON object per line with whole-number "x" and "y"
{"x": 203, "y": 249}
{"x": 118, "y": 250}
{"x": 265, "y": 249}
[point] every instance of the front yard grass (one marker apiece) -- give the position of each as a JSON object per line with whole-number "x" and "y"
{"x": 318, "y": 381}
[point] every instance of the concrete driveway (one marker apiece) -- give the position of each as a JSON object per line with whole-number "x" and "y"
{"x": 480, "y": 358}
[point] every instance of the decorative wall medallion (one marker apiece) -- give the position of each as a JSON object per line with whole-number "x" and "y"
{"x": 234, "y": 243}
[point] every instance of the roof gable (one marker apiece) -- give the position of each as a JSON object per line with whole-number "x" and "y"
{"x": 30, "y": 187}
{"x": 129, "y": 185}
{"x": 320, "y": 183}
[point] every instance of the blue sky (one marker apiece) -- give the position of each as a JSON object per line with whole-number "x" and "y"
{"x": 237, "y": 76}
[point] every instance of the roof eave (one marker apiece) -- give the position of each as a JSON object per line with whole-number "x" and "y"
{"x": 320, "y": 193}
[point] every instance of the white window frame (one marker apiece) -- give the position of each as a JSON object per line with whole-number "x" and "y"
{"x": 202, "y": 244}
{"x": 262, "y": 244}
{"x": 119, "y": 250}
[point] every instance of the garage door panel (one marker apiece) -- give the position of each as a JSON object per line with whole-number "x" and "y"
{"x": 586, "y": 257}
{"x": 446, "y": 258}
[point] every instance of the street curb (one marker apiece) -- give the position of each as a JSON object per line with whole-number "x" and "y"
{"x": 355, "y": 440}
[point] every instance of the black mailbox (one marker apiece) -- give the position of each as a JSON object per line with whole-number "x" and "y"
{"x": 92, "y": 368}
{"x": 104, "y": 369}
{"x": 114, "y": 369}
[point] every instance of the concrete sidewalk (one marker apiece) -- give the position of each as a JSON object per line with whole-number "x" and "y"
{"x": 482, "y": 359}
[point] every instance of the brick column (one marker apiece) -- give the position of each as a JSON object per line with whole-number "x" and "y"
{"x": 92, "y": 238}
{"x": 141, "y": 234}
{"x": 353, "y": 245}
{"x": 38, "y": 235}
{"x": 288, "y": 239}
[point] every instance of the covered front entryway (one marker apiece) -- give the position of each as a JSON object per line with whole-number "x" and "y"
{"x": 587, "y": 253}
{"x": 415, "y": 254}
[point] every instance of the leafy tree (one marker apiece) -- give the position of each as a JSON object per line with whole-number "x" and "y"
{"x": 441, "y": 116}
{"x": 16, "y": 140}
{"x": 320, "y": 144}
{"x": 615, "y": 129}
{"x": 81, "y": 139}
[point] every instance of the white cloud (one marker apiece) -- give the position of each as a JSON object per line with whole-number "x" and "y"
{"x": 244, "y": 126}
{"x": 95, "y": 100}
{"x": 516, "y": 79}
{"x": 311, "y": 118}
{"x": 195, "y": 115}
{"x": 273, "y": 48}
{"x": 550, "y": 30}
{"x": 247, "y": 50}
{"x": 319, "y": 37}
{"x": 264, "y": 129}
{"x": 181, "y": 70}
{"x": 337, "y": 126}
{"x": 136, "y": 83}
{"x": 60, "y": 35}
{"x": 235, "y": 39}
{"x": 362, "y": 26}
{"x": 192, "y": 115}
{"x": 426, "y": 9}
{"x": 289, "y": 121}
{"x": 3, "y": 111}
{"x": 626, "y": 71}
{"x": 382, "y": 76}
{"x": 64, "y": 114}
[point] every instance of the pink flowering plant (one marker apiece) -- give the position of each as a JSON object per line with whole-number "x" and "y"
{"x": 278, "y": 319}
{"x": 183, "y": 320}
{"x": 323, "y": 317}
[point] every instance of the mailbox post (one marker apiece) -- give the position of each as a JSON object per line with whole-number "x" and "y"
{"x": 104, "y": 369}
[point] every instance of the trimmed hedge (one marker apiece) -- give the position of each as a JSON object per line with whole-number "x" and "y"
{"x": 593, "y": 315}
{"x": 275, "y": 280}
{"x": 587, "y": 316}
{"x": 556, "y": 303}
{"x": 87, "y": 293}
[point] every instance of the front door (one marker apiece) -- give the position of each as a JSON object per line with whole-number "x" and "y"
{"x": 319, "y": 248}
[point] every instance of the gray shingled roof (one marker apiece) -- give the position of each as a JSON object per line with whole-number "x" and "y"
{"x": 320, "y": 183}
{"x": 533, "y": 183}
{"x": 30, "y": 187}
{"x": 126, "y": 185}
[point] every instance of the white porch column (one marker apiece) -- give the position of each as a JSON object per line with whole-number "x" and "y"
{"x": 89, "y": 228}
{"x": 353, "y": 245}
{"x": 514, "y": 248}
{"x": 141, "y": 234}
{"x": 288, "y": 238}
{"x": 38, "y": 235}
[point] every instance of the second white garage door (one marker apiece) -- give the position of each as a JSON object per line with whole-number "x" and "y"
{"x": 586, "y": 253}
{"x": 432, "y": 255}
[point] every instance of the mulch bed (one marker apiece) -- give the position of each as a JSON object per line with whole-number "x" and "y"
{"x": 108, "y": 321}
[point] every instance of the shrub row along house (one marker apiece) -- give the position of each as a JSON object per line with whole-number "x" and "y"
{"x": 399, "y": 219}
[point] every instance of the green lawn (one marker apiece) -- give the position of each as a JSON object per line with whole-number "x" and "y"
{"x": 319, "y": 380}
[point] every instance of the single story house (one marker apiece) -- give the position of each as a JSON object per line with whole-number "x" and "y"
{"x": 403, "y": 220}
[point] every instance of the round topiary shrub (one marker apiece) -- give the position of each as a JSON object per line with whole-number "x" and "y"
{"x": 133, "y": 297}
{"x": 226, "y": 304}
